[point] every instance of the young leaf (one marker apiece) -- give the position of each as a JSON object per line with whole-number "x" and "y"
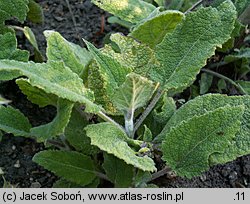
{"x": 32, "y": 39}
{"x": 129, "y": 10}
{"x": 115, "y": 169}
{"x": 205, "y": 83}
{"x": 105, "y": 76}
{"x": 183, "y": 52}
{"x": 147, "y": 135}
{"x": 109, "y": 138}
{"x": 210, "y": 102}
{"x": 152, "y": 31}
{"x": 73, "y": 56}
{"x": 35, "y": 14}
{"x": 115, "y": 72}
{"x": 76, "y": 135}
{"x": 11, "y": 8}
{"x": 134, "y": 93}
{"x": 187, "y": 146}
{"x": 72, "y": 166}
{"x": 57, "y": 126}
{"x": 36, "y": 95}
{"x": 54, "y": 78}
{"x": 132, "y": 54}
{"x": 13, "y": 121}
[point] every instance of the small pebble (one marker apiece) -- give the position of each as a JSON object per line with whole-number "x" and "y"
{"x": 17, "y": 164}
{"x": 35, "y": 185}
{"x": 203, "y": 178}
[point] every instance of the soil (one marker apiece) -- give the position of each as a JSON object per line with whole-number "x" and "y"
{"x": 16, "y": 152}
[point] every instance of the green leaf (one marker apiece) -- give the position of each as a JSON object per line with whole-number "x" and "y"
{"x": 134, "y": 93}
{"x": 152, "y": 31}
{"x": 111, "y": 139}
{"x": 205, "y": 83}
{"x": 13, "y": 121}
{"x": 8, "y": 49}
{"x": 129, "y": 10}
{"x": 210, "y": 102}
{"x": 115, "y": 72}
{"x": 200, "y": 137}
{"x": 32, "y": 39}
{"x": 147, "y": 135}
{"x": 245, "y": 85}
{"x": 76, "y": 135}
{"x": 141, "y": 179}
{"x": 115, "y": 169}
{"x": 105, "y": 77}
{"x": 36, "y": 95}
{"x": 238, "y": 55}
{"x": 73, "y": 56}
{"x": 35, "y": 14}
{"x": 158, "y": 118}
{"x": 59, "y": 123}
{"x": 241, "y": 5}
{"x": 222, "y": 85}
{"x": 132, "y": 54}
{"x": 160, "y": 2}
{"x": 72, "y": 166}
{"x": 12, "y": 8}
{"x": 183, "y": 52}
{"x": 53, "y": 78}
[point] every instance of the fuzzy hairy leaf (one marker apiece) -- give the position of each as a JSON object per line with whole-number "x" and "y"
{"x": 13, "y": 121}
{"x": 12, "y": 8}
{"x": 53, "y": 78}
{"x": 115, "y": 169}
{"x": 132, "y": 54}
{"x": 183, "y": 52}
{"x": 111, "y": 139}
{"x": 76, "y": 136}
{"x": 200, "y": 137}
{"x": 36, "y": 95}
{"x": 59, "y": 123}
{"x": 128, "y": 10}
{"x": 134, "y": 93}
{"x": 98, "y": 83}
{"x": 115, "y": 72}
{"x": 72, "y": 166}
{"x": 106, "y": 76}
{"x": 152, "y": 31}
{"x": 210, "y": 102}
{"x": 74, "y": 57}
{"x": 8, "y": 49}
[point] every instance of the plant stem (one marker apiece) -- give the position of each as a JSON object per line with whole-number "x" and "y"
{"x": 217, "y": 64}
{"x": 160, "y": 173}
{"x": 241, "y": 90}
{"x": 108, "y": 119}
{"x": 102, "y": 176}
{"x": 150, "y": 107}
{"x": 198, "y": 3}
